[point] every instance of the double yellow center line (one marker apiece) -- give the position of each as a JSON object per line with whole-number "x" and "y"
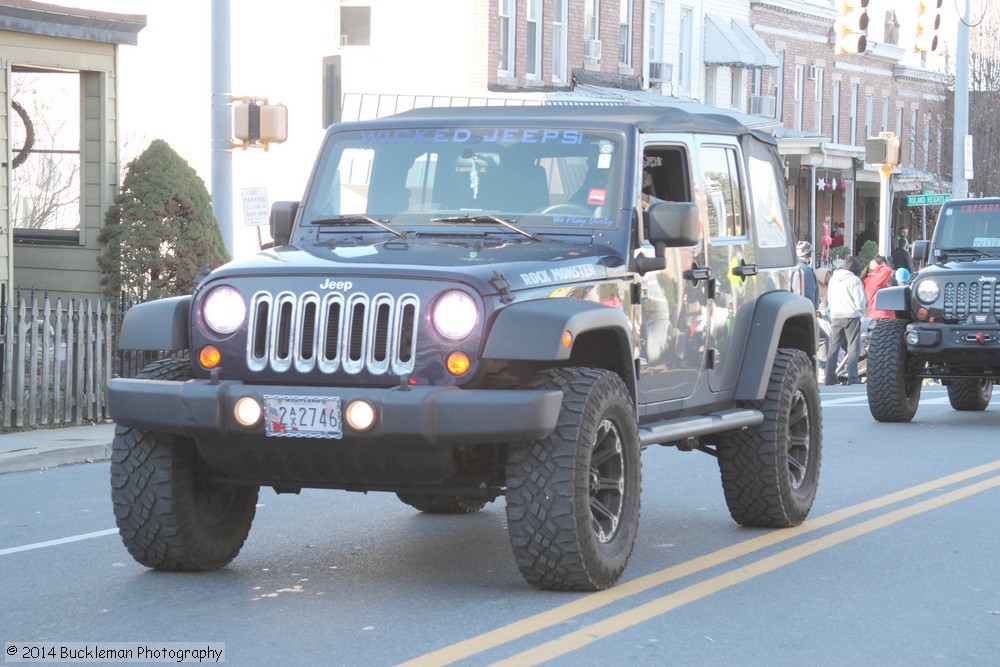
{"x": 586, "y": 635}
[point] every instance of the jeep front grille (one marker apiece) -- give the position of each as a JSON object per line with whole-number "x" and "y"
{"x": 964, "y": 299}
{"x": 332, "y": 333}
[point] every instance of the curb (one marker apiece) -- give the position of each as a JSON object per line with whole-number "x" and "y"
{"x": 38, "y": 459}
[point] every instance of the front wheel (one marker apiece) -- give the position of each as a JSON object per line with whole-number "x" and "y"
{"x": 171, "y": 515}
{"x": 893, "y": 384}
{"x": 770, "y": 472}
{"x": 970, "y": 395}
{"x": 573, "y": 497}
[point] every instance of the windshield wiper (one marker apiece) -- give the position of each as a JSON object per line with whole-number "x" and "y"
{"x": 482, "y": 218}
{"x": 346, "y": 220}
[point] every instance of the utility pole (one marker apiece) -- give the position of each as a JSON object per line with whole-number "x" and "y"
{"x": 959, "y": 182}
{"x": 222, "y": 122}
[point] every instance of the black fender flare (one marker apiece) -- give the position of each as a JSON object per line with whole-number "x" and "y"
{"x": 779, "y": 319}
{"x": 533, "y": 331}
{"x": 157, "y": 325}
{"x": 893, "y": 298}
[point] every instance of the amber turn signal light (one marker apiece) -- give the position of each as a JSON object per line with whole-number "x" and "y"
{"x": 209, "y": 357}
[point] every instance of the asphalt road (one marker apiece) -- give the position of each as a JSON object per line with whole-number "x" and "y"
{"x": 897, "y": 565}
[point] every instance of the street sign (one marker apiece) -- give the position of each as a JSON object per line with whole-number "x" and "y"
{"x": 927, "y": 199}
{"x": 255, "y": 211}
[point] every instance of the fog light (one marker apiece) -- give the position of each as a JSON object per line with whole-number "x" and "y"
{"x": 209, "y": 357}
{"x": 247, "y": 411}
{"x": 457, "y": 363}
{"x": 360, "y": 415}
{"x": 912, "y": 338}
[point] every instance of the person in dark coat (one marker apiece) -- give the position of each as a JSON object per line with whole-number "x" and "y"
{"x": 901, "y": 256}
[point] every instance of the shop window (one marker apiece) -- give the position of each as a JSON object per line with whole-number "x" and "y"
{"x": 45, "y": 147}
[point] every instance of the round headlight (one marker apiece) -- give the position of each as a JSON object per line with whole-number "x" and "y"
{"x": 928, "y": 291}
{"x": 455, "y": 315}
{"x": 224, "y": 310}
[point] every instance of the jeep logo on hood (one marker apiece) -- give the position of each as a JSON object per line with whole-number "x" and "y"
{"x": 341, "y": 285}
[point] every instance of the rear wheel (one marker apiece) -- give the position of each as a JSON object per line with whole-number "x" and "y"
{"x": 171, "y": 515}
{"x": 893, "y": 382}
{"x": 442, "y": 504}
{"x": 770, "y": 472}
{"x": 970, "y": 395}
{"x": 573, "y": 497}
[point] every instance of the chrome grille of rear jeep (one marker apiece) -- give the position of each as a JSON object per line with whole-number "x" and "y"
{"x": 332, "y": 332}
{"x": 964, "y": 299}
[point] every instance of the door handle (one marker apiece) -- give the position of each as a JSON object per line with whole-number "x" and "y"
{"x": 743, "y": 270}
{"x": 697, "y": 273}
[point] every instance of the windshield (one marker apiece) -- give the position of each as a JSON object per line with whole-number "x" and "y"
{"x": 528, "y": 176}
{"x": 971, "y": 226}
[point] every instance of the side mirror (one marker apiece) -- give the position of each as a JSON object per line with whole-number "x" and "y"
{"x": 920, "y": 251}
{"x": 282, "y": 218}
{"x": 669, "y": 225}
{"x": 674, "y": 224}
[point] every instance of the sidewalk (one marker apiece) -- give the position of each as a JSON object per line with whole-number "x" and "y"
{"x": 51, "y": 447}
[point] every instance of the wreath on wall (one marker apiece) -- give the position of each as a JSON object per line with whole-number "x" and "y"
{"x": 29, "y": 135}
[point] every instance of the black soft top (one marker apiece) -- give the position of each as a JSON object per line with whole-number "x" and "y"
{"x": 623, "y": 118}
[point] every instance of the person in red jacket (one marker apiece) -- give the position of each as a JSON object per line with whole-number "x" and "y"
{"x": 877, "y": 274}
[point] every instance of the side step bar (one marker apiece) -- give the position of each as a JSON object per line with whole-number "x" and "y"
{"x": 679, "y": 430}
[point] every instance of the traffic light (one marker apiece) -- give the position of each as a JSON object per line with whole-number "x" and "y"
{"x": 850, "y": 27}
{"x": 260, "y": 124}
{"x": 928, "y": 22}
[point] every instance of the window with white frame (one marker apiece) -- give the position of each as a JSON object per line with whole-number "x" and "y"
{"x": 927, "y": 140}
{"x": 736, "y": 89}
{"x": 355, "y": 25}
{"x": 684, "y": 58}
{"x": 869, "y": 113}
{"x": 818, "y": 99}
{"x": 779, "y": 91}
{"x": 655, "y": 30}
{"x": 800, "y": 78}
{"x": 505, "y": 52}
{"x": 711, "y": 81}
{"x": 899, "y": 123}
{"x": 885, "y": 114}
{"x": 591, "y": 28}
{"x": 533, "y": 68}
{"x": 559, "y": 42}
{"x": 45, "y": 125}
{"x": 625, "y": 32}
{"x": 835, "y": 116}
{"x": 854, "y": 114}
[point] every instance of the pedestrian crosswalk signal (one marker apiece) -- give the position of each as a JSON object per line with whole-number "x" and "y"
{"x": 928, "y": 22}
{"x": 260, "y": 124}
{"x": 850, "y": 27}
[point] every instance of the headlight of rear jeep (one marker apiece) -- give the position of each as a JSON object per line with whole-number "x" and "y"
{"x": 455, "y": 315}
{"x": 224, "y": 310}
{"x": 928, "y": 291}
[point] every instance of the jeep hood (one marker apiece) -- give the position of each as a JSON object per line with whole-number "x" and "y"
{"x": 522, "y": 263}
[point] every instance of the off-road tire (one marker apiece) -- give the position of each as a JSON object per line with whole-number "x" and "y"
{"x": 770, "y": 472}
{"x": 442, "y": 504}
{"x": 573, "y": 497}
{"x": 970, "y": 395}
{"x": 169, "y": 516}
{"x": 893, "y": 385}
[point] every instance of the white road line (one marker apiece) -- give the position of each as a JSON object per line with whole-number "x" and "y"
{"x": 61, "y": 540}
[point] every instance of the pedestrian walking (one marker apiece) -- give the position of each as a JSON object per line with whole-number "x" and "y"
{"x": 848, "y": 304}
{"x": 877, "y": 274}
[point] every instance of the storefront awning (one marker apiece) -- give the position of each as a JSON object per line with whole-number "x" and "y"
{"x": 733, "y": 43}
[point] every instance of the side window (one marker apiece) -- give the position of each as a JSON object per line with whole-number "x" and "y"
{"x": 722, "y": 190}
{"x": 665, "y": 173}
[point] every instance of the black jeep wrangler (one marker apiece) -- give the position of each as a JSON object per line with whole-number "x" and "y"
{"x": 474, "y": 303}
{"x": 946, "y": 325}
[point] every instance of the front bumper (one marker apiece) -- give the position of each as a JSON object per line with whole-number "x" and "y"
{"x": 954, "y": 344}
{"x": 420, "y": 415}
{"x": 426, "y": 439}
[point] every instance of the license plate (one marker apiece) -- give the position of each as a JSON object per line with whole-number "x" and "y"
{"x": 302, "y": 417}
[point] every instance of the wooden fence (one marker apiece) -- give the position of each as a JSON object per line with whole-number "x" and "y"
{"x": 56, "y": 359}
